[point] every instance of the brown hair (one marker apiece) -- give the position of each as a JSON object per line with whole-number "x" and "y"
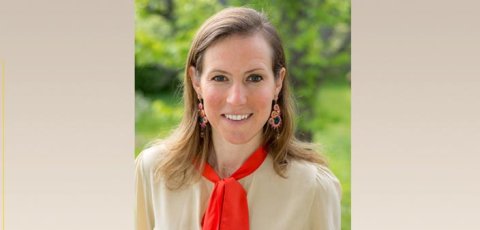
{"x": 185, "y": 145}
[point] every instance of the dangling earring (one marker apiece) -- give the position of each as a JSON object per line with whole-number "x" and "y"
{"x": 275, "y": 119}
{"x": 202, "y": 118}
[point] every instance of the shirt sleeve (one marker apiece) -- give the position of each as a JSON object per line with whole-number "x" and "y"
{"x": 143, "y": 210}
{"x": 325, "y": 212}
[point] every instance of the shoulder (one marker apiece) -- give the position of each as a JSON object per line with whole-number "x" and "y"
{"x": 149, "y": 158}
{"x": 323, "y": 192}
{"x": 314, "y": 177}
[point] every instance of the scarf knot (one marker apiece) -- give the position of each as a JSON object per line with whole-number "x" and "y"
{"x": 228, "y": 206}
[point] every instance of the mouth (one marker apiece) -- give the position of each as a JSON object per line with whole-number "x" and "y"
{"x": 237, "y": 117}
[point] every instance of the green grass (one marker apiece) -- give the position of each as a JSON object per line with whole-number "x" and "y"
{"x": 333, "y": 125}
{"x": 156, "y": 117}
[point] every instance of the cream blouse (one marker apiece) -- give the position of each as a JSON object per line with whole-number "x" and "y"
{"x": 309, "y": 198}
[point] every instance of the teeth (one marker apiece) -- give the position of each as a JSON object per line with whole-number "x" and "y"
{"x": 236, "y": 117}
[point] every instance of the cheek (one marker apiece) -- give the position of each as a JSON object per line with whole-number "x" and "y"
{"x": 212, "y": 100}
{"x": 263, "y": 102}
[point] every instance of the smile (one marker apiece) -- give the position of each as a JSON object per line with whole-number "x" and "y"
{"x": 237, "y": 117}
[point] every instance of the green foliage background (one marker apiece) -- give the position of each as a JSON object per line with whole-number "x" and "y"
{"x": 316, "y": 36}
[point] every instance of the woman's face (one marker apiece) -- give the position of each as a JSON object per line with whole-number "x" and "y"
{"x": 237, "y": 86}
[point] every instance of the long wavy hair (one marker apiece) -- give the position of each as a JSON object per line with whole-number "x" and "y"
{"x": 184, "y": 152}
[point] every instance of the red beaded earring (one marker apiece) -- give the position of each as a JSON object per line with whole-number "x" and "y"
{"x": 275, "y": 119}
{"x": 202, "y": 118}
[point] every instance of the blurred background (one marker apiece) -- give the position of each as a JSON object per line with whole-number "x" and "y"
{"x": 316, "y": 37}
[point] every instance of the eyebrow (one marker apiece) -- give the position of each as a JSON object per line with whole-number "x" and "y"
{"x": 225, "y": 72}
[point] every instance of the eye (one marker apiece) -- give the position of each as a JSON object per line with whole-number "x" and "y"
{"x": 255, "y": 78}
{"x": 219, "y": 78}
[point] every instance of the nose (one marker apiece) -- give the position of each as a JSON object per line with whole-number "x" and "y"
{"x": 237, "y": 94}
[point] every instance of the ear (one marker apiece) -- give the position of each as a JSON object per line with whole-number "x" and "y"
{"x": 279, "y": 81}
{"x": 192, "y": 73}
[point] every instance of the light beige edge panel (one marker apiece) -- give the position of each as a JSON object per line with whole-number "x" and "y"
{"x": 416, "y": 115}
{"x": 69, "y": 113}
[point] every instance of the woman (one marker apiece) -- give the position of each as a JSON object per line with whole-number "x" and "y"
{"x": 233, "y": 162}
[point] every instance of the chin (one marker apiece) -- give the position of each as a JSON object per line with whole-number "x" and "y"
{"x": 238, "y": 139}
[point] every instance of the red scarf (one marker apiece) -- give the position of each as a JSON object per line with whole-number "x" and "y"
{"x": 227, "y": 207}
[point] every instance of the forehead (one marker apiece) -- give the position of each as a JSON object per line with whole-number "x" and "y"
{"x": 239, "y": 51}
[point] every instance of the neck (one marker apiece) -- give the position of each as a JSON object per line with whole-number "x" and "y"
{"x": 227, "y": 157}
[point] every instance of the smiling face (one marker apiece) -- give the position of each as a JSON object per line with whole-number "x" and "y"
{"x": 237, "y": 86}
